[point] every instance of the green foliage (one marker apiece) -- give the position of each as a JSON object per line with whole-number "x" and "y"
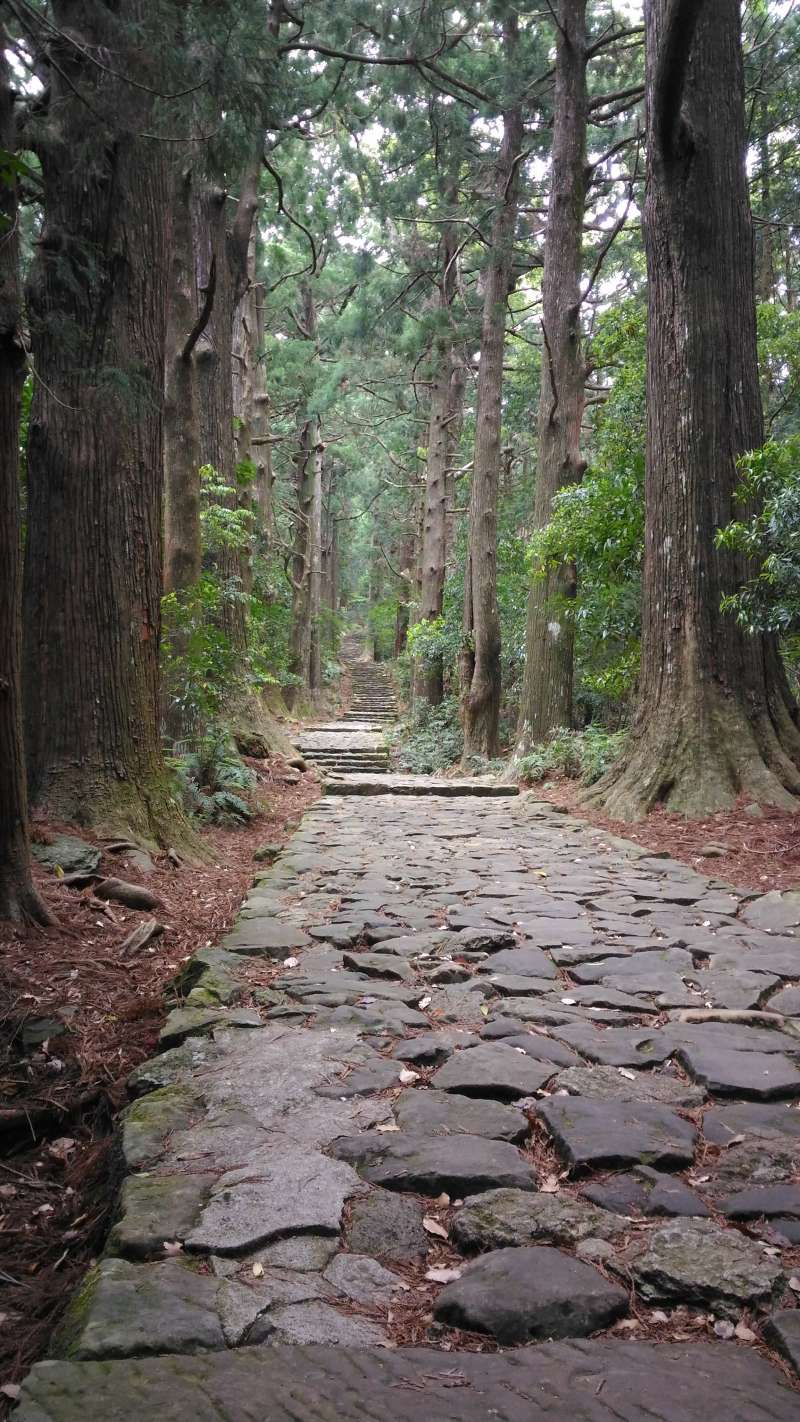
{"x": 433, "y": 740}
{"x": 581, "y": 755}
{"x": 214, "y": 780}
{"x": 197, "y": 660}
{"x": 770, "y": 482}
{"x": 599, "y": 524}
{"x": 382, "y": 620}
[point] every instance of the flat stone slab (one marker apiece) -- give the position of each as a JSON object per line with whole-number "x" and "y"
{"x": 521, "y": 1294}
{"x": 524, "y": 962}
{"x": 760, "y": 1076}
{"x": 602, "y": 1380}
{"x": 442, "y": 1113}
{"x": 459, "y": 1165}
{"x": 699, "y": 1263}
{"x": 607, "y": 1083}
{"x": 265, "y": 936}
{"x": 595, "y": 1134}
{"x": 295, "y": 1189}
{"x": 493, "y": 1069}
{"x": 618, "y": 1046}
{"x": 502, "y": 1218}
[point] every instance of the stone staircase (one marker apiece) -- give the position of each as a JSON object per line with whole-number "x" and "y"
{"x": 356, "y": 744}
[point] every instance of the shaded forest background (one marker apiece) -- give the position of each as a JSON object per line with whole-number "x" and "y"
{"x": 328, "y": 315}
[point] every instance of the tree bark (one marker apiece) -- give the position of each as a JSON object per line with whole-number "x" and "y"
{"x": 714, "y": 717}
{"x": 481, "y": 650}
{"x": 19, "y": 900}
{"x": 546, "y": 700}
{"x": 182, "y": 457}
{"x": 93, "y": 568}
{"x": 306, "y": 559}
{"x": 429, "y": 678}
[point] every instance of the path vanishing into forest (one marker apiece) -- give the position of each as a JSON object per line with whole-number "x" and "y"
{"x": 477, "y": 1112}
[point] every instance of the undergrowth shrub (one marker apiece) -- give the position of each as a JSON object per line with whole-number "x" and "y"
{"x": 581, "y": 755}
{"x": 432, "y": 739}
{"x": 215, "y": 781}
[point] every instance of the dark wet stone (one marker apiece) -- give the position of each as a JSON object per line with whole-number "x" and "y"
{"x": 441, "y": 1113}
{"x": 529, "y": 1293}
{"x": 508, "y": 985}
{"x": 385, "y": 1225}
{"x": 642, "y": 972}
{"x": 378, "y": 965}
{"x": 782, "y": 1330}
{"x": 760, "y": 1076}
{"x": 610, "y": 1133}
{"x": 618, "y": 1046}
{"x": 379, "y": 1076}
{"x": 433, "y": 1048}
{"x": 647, "y": 1192}
{"x": 761, "y": 1121}
{"x": 733, "y": 1037}
{"x": 499, "y": 1219}
{"x": 543, "y": 1049}
{"x": 485, "y": 940}
{"x": 493, "y": 1069}
{"x": 459, "y": 1165}
{"x": 780, "y": 1199}
{"x": 696, "y": 1262}
{"x": 67, "y": 852}
{"x": 267, "y": 936}
{"x": 524, "y": 962}
{"x": 606, "y": 1083}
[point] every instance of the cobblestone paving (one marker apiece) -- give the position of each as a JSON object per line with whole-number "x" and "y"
{"x": 471, "y": 1075}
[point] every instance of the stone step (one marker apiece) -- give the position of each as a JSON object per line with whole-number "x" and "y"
{"x": 596, "y": 1380}
{"x": 414, "y": 785}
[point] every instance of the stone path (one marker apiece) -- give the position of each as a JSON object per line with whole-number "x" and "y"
{"x": 477, "y": 1112}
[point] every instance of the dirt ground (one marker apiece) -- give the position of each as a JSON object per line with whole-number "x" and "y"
{"x": 75, "y": 1018}
{"x": 760, "y": 853}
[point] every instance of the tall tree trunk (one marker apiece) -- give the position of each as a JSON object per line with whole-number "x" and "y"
{"x": 182, "y": 458}
{"x": 481, "y": 654}
{"x": 546, "y": 701}
{"x": 714, "y": 718}
{"x": 93, "y": 568}
{"x": 19, "y": 900}
{"x": 306, "y": 565}
{"x": 315, "y": 572}
{"x": 429, "y": 679}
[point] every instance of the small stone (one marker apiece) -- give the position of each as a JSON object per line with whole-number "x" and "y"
{"x": 266, "y": 853}
{"x": 362, "y": 1279}
{"x": 518, "y": 1295}
{"x": 502, "y": 1218}
{"x": 493, "y": 1069}
{"x": 190, "y": 1021}
{"x": 646, "y": 1192}
{"x": 386, "y": 1225}
{"x": 766, "y": 1200}
{"x": 595, "y": 1250}
{"x": 321, "y": 1323}
{"x": 134, "y": 1310}
{"x": 155, "y": 1208}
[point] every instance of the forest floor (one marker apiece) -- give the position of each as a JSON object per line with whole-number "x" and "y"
{"x": 75, "y": 1019}
{"x": 750, "y": 853}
